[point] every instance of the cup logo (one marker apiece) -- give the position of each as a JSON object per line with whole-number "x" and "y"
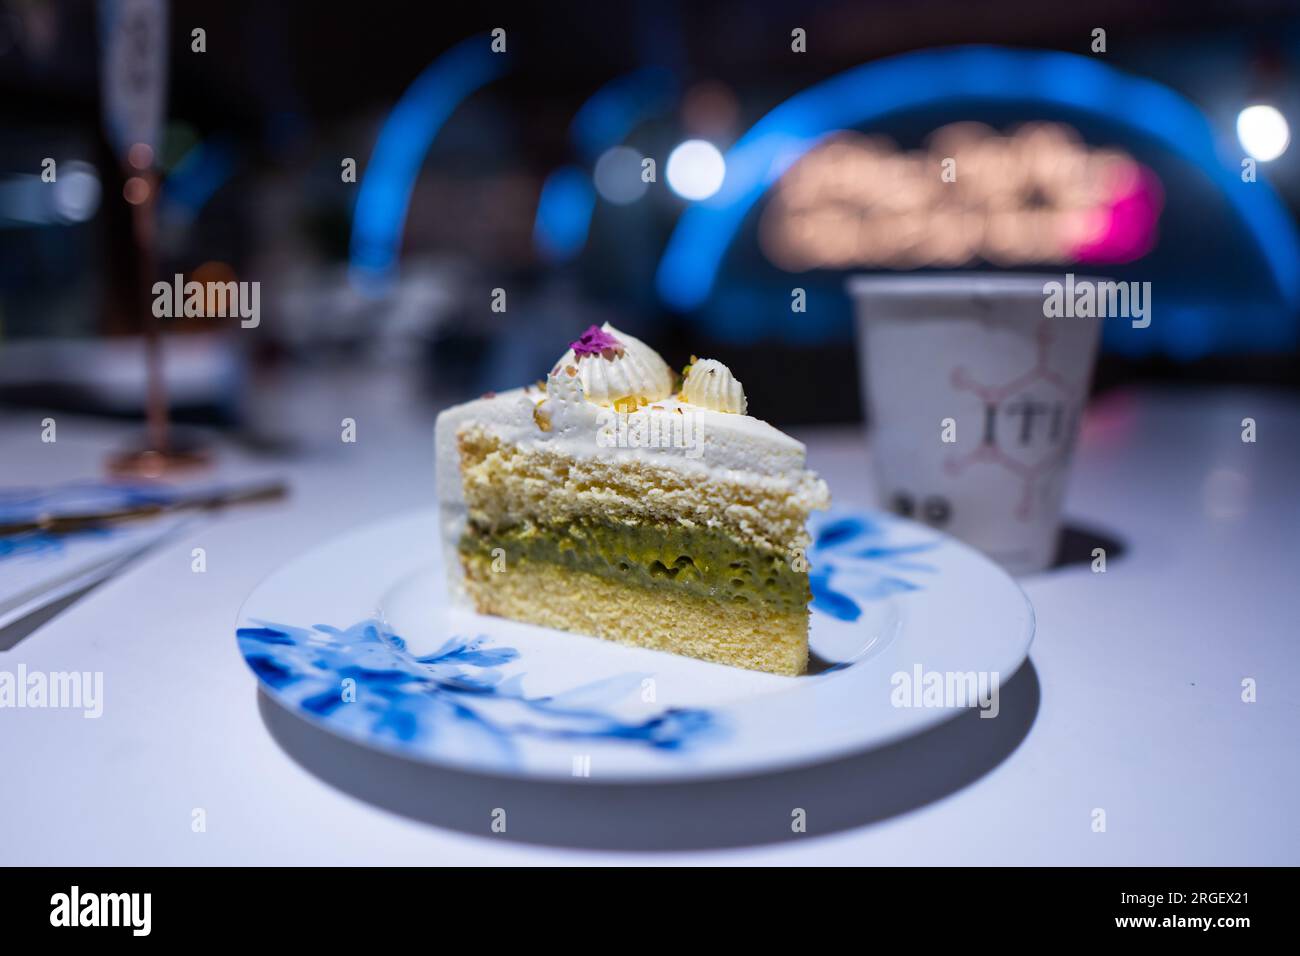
{"x": 1028, "y": 423}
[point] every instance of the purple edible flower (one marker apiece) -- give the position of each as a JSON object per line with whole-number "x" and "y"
{"x": 595, "y": 341}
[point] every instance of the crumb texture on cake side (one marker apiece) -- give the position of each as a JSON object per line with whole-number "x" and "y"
{"x": 505, "y": 483}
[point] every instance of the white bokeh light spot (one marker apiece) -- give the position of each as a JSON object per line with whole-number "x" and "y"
{"x": 696, "y": 169}
{"x": 1263, "y": 132}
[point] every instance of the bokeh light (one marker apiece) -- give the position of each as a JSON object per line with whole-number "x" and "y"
{"x": 1263, "y": 132}
{"x": 136, "y": 190}
{"x": 618, "y": 176}
{"x": 76, "y": 192}
{"x": 696, "y": 169}
{"x": 140, "y": 156}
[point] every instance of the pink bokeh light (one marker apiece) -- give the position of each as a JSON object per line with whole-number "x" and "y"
{"x": 1124, "y": 228}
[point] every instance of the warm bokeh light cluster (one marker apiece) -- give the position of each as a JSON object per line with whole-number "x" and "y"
{"x": 1037, "y": 194}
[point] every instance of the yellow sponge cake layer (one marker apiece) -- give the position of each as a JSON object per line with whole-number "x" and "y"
{"x": 738, "y": 633}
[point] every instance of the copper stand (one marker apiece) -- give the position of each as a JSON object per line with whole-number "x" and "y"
{"x": 162, "y": 454}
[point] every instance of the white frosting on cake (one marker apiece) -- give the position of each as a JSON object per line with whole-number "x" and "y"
{"x": 710, "y": 441}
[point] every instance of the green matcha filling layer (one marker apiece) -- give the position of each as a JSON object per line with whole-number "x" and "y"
{"x": 701, "y": 561}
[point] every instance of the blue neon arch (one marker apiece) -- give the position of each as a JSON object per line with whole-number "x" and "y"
{"x": 961, "y": 76}
{"x": 379, "y": 217}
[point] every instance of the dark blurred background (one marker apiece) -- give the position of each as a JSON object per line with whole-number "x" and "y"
{"x": 522, "y": 171}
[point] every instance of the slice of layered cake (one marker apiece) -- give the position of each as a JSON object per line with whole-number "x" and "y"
{"x": 617, "y": 500}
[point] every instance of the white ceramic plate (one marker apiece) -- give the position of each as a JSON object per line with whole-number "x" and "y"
{"x": 908, "y": 627}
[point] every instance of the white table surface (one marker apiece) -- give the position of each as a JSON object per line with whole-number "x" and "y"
{"x": 1133, "y": 704}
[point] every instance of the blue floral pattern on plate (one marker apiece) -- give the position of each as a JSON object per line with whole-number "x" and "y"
{"x": 363, "y": 679}
{"x": 859, "y": 546}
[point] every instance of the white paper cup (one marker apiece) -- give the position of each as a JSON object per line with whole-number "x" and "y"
{"x": 974, "y": 398}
